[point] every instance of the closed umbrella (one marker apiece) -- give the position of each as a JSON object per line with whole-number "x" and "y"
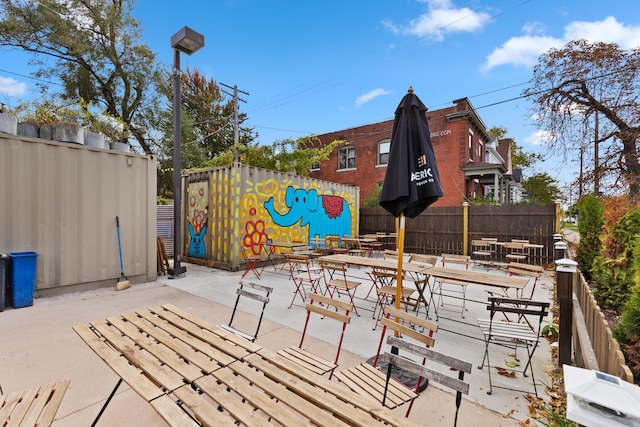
{"x": 411, "y": 182}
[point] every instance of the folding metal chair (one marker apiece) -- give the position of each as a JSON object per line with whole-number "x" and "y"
{"x": 250, "y": 260}
{"x": 335, "y": 279}
{"x": 386, "y": 291}
{"x": 331, "y": 308}
{"x": 304, "y": 276}
{"x": 368, "y": 380}
{"x": 255, "y": 292}
{"x": 512, "y": 334}
{"x": 451, "y": 363}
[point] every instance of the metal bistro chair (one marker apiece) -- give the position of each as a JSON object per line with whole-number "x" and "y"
{"x": 335, "y": 279}
{"x": 250, "y": 260}
{"x": 450, "y": 363}
{"x": 255, "y": 292}
{"x": 330, "y": 309}
{"x": 369, "y": 380}
{"x": 305, "y": 276}
{"x": 512, "y": 334}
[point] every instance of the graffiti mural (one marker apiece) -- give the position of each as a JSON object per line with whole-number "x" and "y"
{"x": 197, "y": 218}
{"x": 321, "y": 214}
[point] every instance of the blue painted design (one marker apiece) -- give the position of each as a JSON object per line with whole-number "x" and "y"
{"x": 196, "y": 243}
{"x": 323, "y": 214}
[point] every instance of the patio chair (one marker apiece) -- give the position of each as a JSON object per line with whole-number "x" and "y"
{"x": 330, "y": 308}
{"x": 516, "y": 251}
{"x": 450, "y": 363}
{"x": 33, "y": 407}
{"x": 255, "y": 292}
{"x": 383, "y": 281}
{"x": 370, "y": 381}
{"x": 510, "y": 335}
{"x": 305, "y": 276}
{"x": 250, "y": 260}
{"x": 532, "y": 271}
{"x": 480, "y": 251}
{"x": 335, "y": 279}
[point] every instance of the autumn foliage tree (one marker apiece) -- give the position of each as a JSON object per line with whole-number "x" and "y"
{"x": 573, "y": 85}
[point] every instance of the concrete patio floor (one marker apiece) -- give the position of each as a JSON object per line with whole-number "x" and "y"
{"x": 38, "y": 346}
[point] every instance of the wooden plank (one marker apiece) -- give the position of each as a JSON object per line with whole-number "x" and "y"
{"x": 130, "y": 374}
{"x": 235, "y": 346}
{"x": 172, "y": 413}
{"x": 150, "y": 366}
{"x": 175, "y": 339}
{"x": 204, "y": 347}
{"x": 405, "y": 330}
{"x": 21, "y": 407}
{"x": 207, "y": 414}
{"x": 53, "y": 403}
{"x": 150, "y": 339}
{"x": 308, "y": 360}
{"x": 303, "y": 389}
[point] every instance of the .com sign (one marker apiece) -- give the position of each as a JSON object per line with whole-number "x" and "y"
{"x": 440, "y": 133}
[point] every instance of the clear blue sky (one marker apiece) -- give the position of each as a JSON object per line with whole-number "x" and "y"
{"x": 312, "y": 67}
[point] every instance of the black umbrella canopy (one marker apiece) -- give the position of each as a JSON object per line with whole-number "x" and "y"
{"x": 411, "y": 182}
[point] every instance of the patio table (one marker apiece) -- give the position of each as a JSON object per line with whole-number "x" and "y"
{"x": 194, "y": 373}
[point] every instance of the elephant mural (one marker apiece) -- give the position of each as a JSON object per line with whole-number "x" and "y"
{"x": 324, "y": 214}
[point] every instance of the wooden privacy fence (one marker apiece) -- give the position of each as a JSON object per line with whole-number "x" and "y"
{"x": 441, "y": 229}
{"x": 592, "y": 336}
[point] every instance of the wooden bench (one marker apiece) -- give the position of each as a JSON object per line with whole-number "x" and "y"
{"x": 456, "y": 259}
{"x": 34, "y": 407}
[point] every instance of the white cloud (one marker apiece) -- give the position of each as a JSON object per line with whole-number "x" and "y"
{"x": 442, "y": 18}
{"x": 363, "y": 99}
{"x": 12, "y": 87}
{"x": 608, "y": 30}
{"x": 522, "y": 51}
{"x": 525, "y": 50}
{"x": 539, "y": 138}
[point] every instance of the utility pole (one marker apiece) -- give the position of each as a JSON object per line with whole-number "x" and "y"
{"x": 236, "y": 124}
{"x": 596, "y": 166}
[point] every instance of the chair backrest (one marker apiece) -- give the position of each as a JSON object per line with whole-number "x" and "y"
{"x": 297, "y": 262}
{"x": 521, "y": 269}
{"x": 390, "y": 254}
{"x": 439, "y": 376}
{"x": 253, "y": 291}
{"x": 402, "y": 326}
{"x": 521, "y": 307}
{"x": 330, "y": 308}
{"x": 423, "y": 259}
{"x": 481, "y": 244}
{"x": 456, "y": 259}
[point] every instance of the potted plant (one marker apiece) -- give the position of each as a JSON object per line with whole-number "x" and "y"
{"x": 8, "y": 121}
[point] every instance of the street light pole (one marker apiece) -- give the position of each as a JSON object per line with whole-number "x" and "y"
{"x": 188, "y": 41}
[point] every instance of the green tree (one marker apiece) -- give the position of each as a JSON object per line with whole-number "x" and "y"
{"x": 92, "y": 47}
{"x": 573, "y": 84}
{"x": 372, "y": 199}
{"x": 591, "y": 214}
{"x": 542, "y": 188}
{"x": 211, "y": 116}
{"x": 284, "y": 156}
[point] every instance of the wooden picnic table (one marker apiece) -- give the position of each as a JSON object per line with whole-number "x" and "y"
{"x": 194, "y": 373}
{"x": 36, "y": 406}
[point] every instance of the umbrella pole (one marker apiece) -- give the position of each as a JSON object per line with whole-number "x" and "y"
{"x": 399, "y": 273}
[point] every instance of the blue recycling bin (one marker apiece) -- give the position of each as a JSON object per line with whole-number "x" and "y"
{"x": 22, "y": 278}
{"x": 4, "y": 266}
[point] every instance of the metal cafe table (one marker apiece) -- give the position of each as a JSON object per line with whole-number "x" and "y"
{"x": 194, "y": 373}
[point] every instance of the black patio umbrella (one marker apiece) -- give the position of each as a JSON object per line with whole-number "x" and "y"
{"x": 411, "y": 182}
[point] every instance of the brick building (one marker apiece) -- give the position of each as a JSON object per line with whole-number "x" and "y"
{"x": 470, "y": 163}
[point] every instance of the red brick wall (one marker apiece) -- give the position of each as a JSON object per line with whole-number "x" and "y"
{"x": 450, "y": 142}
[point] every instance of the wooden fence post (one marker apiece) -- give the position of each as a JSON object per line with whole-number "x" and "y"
{"x": 566, "y": 270}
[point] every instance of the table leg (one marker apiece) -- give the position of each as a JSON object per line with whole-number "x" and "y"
{"x": 113, "y": 392}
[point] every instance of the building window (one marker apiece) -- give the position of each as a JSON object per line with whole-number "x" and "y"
{"x": 470, "y": 146}
{"x": 347, "y": 158}
{"x": 383, "y": 151}
{"x": 315, "y": 166}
